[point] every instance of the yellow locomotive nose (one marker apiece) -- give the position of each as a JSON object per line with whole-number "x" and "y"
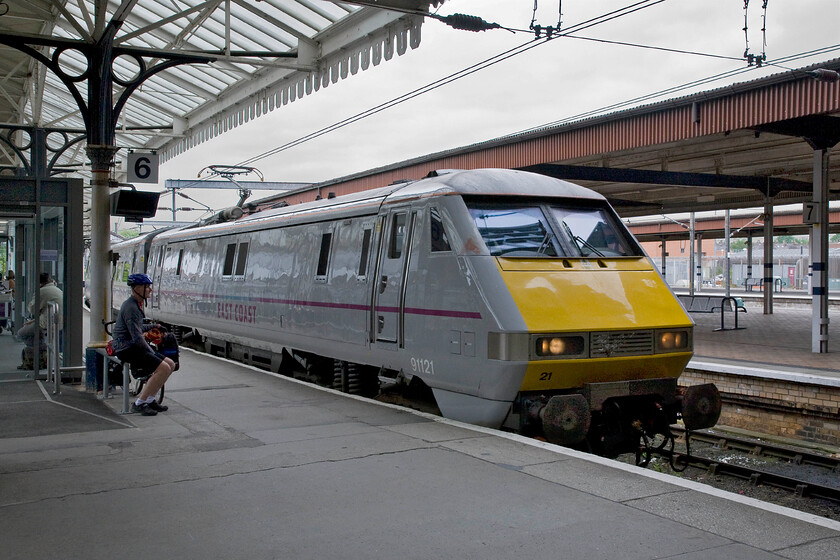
{"x": 621, "y": 321}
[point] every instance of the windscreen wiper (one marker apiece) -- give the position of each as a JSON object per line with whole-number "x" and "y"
{"x": 588, "y": 245}
{"x": 546, "y": 242}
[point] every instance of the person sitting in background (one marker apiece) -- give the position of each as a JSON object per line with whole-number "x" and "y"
{"x": 10, "y": 282}
{"x": 48, "y": 293}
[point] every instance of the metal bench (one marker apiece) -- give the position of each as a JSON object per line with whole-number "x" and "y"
{"x": 751, "y": 283}
{"x": 711, "y": 304}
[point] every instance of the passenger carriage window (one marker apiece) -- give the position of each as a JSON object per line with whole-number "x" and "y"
{"x": 395, "y": 244}
{"x": 241, "y": 259}
{"x": 230, "y": 253}
{"x": 365, "y": 251}
{"x": 324, "y": 254}
{"x": 180, "y": 260}
{"x": 440, "y": 241}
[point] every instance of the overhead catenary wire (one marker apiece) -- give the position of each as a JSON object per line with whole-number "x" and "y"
{"x": 568, "y": 32}
{"x": 652, "y": 47}
{"x": 609, "y": 16}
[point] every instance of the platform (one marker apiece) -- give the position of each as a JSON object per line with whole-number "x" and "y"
{"x": 775, "y": 343}
{"x": 246, "y": 464}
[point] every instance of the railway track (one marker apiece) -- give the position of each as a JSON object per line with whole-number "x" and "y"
{"x": 802, "y": 472}
{"x": 762, "y": 448}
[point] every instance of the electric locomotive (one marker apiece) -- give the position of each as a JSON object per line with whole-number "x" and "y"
{"x": 521, "y": 300}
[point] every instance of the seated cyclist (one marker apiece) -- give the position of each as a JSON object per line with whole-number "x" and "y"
{"x": 131, "y": 346}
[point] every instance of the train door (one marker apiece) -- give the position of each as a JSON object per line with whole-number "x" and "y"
{"x": 155, "y": 270}
{"x": 389, "y": 291}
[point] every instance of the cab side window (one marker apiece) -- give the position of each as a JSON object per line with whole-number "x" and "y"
{"x": 439, "y": 239}
{"x": 395, "y": 244}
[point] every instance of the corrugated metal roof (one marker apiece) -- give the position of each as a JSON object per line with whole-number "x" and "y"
{"x": 659, "y": 136}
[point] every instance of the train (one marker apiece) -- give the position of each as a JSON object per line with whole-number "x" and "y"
{"x": 520, "y": 300}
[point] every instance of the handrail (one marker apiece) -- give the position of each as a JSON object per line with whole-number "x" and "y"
{"x": 54, "y": 367}
{"x": 53, "y": 336}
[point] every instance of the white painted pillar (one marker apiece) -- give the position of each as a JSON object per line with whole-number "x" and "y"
{"x": 819, "y": 255}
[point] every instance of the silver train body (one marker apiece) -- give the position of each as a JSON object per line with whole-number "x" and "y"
{"x": 467, "y": 280}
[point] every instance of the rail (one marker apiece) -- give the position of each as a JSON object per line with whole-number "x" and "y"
{"x": 755, "y": 475}
{"x": 766, "y": 448}
{"x": 54, "y": 368}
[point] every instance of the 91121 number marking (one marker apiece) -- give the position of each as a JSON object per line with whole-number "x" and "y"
{"x": 422, "y": 365}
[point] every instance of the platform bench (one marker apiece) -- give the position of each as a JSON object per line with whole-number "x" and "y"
{"x": 711, "y": 304}
{"x": 751, "y": 283}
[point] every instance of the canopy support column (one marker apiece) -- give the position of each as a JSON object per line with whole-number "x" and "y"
{"x": 768, "y": 256}
{"x": 691, "y": 232}
{"x": 819, "y": 255}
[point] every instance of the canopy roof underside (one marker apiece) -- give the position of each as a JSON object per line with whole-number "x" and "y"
{"x": 262, "y": 55}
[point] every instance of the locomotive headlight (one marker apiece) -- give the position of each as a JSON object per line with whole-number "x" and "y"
{"x": 551, "y": 346}
{"x": 673, "y": 340}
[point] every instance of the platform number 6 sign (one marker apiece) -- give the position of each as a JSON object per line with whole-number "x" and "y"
{"x": 142, "y": 167}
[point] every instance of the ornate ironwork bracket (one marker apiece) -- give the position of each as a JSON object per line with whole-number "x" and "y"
{"x": 99, "y": 113}
{"x": 40, "y": 151}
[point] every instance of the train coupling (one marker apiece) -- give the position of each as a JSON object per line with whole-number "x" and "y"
{"x": 701, "y": 406}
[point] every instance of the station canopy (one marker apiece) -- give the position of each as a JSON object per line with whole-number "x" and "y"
{"x": 263, "y": 54}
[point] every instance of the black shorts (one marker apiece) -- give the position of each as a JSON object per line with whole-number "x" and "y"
{"x": 143, "y": 358}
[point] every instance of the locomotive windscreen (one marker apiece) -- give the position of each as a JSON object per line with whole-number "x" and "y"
{"x": 549, "y": 230}
{"x": 594, "y": 233}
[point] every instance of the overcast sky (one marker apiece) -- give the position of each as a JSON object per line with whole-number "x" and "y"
{"x": 557, "y": 80}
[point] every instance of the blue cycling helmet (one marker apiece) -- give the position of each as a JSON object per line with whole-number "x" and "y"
{"x": 139, "y": 280}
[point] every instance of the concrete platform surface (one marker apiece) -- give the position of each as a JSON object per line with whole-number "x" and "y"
{"x": 249, "y": 465}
